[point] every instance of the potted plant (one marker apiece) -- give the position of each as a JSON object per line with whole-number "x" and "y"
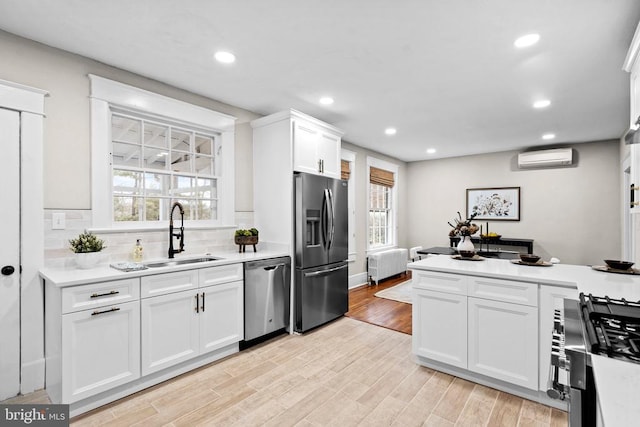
{"x": 246, "y": 237}
{"x": 87, "y": 247}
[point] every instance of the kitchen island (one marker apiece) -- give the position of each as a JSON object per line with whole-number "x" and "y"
{"x": 505, "y": 342}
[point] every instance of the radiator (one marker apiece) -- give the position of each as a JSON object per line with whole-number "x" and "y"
{"x": 386, "y": 264}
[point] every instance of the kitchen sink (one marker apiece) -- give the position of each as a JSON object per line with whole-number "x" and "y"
{"x": 174, "y": 262}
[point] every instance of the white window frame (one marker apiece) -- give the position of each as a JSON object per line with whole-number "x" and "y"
{"x": 107, "y": 94}
{"x": 393, "y": 227}
{"x": 350, "y": 157}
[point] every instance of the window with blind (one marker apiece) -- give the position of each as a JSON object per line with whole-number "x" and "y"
{"x": 381, "y": 206}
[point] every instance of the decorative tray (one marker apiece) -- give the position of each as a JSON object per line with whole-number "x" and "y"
{"x": 128, "y": 266}
{"x": 538, "y": 263}
{"x": 607, "y": 269}
{"x": 463, "y": 258}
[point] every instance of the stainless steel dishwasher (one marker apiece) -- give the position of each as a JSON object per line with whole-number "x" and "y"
{"x": 266, "y": 296}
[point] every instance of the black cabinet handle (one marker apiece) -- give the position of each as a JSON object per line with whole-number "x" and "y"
{"x": 203, "y": 302}
{"x": 95, "y": 313}
{"x": 197, "y": 303}
{"x": 105, "y": 294}
{"x": 7, "y": 270}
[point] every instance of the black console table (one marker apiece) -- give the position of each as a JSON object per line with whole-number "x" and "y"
{"x": 503, "y": 241}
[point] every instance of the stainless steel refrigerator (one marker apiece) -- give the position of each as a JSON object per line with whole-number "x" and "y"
{"x": 321, "y": 284}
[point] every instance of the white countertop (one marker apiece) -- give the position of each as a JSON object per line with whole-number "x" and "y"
{"x": 585, "y": 278}
{"x": 617, "y": 382}
{"x": 63, "y": 277}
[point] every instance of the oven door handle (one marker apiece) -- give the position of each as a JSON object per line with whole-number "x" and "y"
{"x": 555, "y": 389}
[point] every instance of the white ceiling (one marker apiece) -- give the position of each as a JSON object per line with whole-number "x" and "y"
{"x": 444, "y": 73}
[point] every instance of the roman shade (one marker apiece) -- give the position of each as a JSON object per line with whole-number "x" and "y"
{"x": 381, "y": 177}
{"x": 345, "y": 169}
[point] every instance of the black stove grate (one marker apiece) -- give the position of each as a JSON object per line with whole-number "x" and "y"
{"x": 613, "y": 326}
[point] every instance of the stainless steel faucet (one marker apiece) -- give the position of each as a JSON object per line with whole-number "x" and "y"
{"x": 179, "y": 235}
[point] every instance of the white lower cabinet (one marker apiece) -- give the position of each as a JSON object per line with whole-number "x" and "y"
{"x": 100, "y": 349}
{"x": 440, "y": 326}
{"x": 503, "y": 341}
{"x": 170, "y": 330}
{"x": 483, "y": 325}
{"x": 179, "y": 326}
{"x": 105, "y": 340}
{"x": 221, "y": 317}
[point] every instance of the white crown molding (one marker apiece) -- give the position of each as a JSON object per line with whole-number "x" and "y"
{"x": 632, "y": 53}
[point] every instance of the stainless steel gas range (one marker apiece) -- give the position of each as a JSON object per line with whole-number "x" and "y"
{"x": 593, "y": 325}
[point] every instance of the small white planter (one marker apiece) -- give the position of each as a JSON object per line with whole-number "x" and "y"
{"x": 87, "y": 260}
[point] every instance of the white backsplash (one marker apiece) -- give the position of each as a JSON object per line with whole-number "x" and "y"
{"x": 119, "y": 246}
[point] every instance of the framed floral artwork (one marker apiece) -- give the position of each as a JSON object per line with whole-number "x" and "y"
{"x": 501, "y": 203}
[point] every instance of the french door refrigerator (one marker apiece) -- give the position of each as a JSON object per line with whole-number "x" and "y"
{"x": 321, "y": 282}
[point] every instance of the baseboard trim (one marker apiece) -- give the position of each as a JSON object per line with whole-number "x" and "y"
{"x": 32, "y": 376}
{"x": 356, "y": 280}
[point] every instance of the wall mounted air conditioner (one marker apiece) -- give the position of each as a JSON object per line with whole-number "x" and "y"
{"x": 546, "y": 158}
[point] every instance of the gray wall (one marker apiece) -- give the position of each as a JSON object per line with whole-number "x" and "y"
{"x": 67, "y": 161}
{"x": 362, "y": 206}
{"x": 572, "y": 213}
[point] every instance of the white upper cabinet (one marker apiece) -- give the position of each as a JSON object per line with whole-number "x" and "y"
{"x": 315, "y": 145}
{"x": 283, "y": 143}
{"x": 315, "y": 150}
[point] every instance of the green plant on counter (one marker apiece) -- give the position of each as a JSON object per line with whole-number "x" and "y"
{"x": 249, "y": 232}
{"x": 86, "y": 242}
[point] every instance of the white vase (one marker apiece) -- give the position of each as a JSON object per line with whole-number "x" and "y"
{"x": 87, "y": 260}
{"x": 465, "y": 244}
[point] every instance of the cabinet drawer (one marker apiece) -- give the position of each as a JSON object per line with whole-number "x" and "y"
{"x": 504, "y": 290}
{"x": 220, "y": 274}
{"x": 84, "y": 297}
{"x": 442, "y": 282}
{"x": 168, "y": 283}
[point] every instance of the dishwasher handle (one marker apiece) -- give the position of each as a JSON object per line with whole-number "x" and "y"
{"x": 273, "y": 267}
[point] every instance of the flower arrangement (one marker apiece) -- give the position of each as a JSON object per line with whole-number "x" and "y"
{"x": 86, "y": 242}
{"x": 463, "y": 228}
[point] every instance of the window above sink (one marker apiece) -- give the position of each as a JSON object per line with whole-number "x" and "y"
{"x": 149, "y": 151}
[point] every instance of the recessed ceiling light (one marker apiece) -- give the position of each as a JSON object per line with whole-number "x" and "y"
{"x": 527, "y": 40}
{"x": 431, "y": 150}
{"x": 225, "y": 57}
{"x": 548, "y": 136}
{"x": 326, "y": 100}
{"x": 543, "y": 103}
{"x": 390, "y": 131}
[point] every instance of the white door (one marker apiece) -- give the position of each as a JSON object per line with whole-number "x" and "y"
{"x": 221, "y": 315}
{"x": 440, "y": 327}
{"x": 10, "y": 254}
{"x": 169, "y": 330}
{"x": 503, "y": 341}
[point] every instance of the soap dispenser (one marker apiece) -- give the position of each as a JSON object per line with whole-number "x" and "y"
{"x": 137, "y": 251}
